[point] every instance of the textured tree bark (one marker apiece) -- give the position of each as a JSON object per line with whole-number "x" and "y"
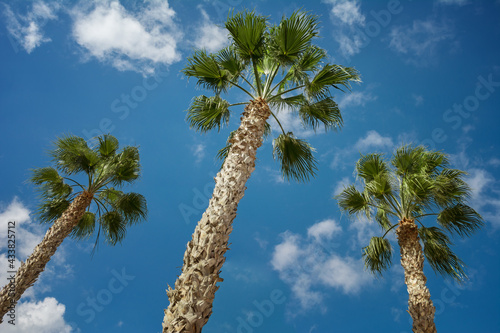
{"x": 191, "y": 300}
{"x": 420, "y": 305}
{"x": 28, "y": 272}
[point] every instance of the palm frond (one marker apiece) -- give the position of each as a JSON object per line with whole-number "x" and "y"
{"x": 207, "y": 113}
{"x": 325, "y": 111}
{"x": 229, "y": 60}
{"x": 114, "y": 227}
{"x": 329, "y": 76}
{"x": 293, "y": 36}
{"x": 72, "y": 155}
{"x": 223, "y": 152}
{"x": 377, "y": 255}
{"x": 85, "y": 228}
{"x": 353, "y": 202}
{"x": 295, "y": 157}
{"x": 382, "y": 217}
{"x": 133, "y": 207}
{"x": 108, "y": 145}
{"x": 208, "y": 71}
{"x": 247, "y": 33}
{"x": 439, "y": 255}
{"x": 460, "y": 219}
{"x": 51, "y": 210}
{"x": 371, "y": 166}
{"x": 50, "y": 183}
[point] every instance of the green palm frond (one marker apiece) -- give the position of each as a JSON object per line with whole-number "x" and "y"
{"x": 228, "y": 59}
{"x": 247, "y": 33}
{"x": 85, "y": 228}
{"x": 293, "y": 36}
{"x": 382, "y": 217}
{"x": 335, "y": 76}
{"x": 114, "y": 227}
{"x": 292, "y": 102}
{"x": 223, "y": 152}
{"x": 126, "y": 167}
{"x": 133, "y": 207}
{"x": 325, "y": 111}
{"x": 72, "y": 155}
{"x": 460, "y": 219}
{"x": 207, "y": 70}
{"x": 295, "y": 156}
{"x": 353, "y": 202}
{"x": 439, "y": 254}
{"x": 207, "y": 113}
{"x": 108, "y": 145}
{"x": 371, "y": 167}
{"x": 50, "y": 183}
{"x": 377, "y": 255}
{"x": 449, "y": 187}
{"x": 51, "y": 210}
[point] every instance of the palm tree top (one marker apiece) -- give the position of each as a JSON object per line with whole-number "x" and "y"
{"x": 279, "y": 64}
{"x": 103, "y": 170}
{"x": 415, "y": 185}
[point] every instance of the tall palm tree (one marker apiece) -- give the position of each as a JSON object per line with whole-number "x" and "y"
{"x": 419, "y": 185}
{"x": 67, "y": 203}
{"x": 277, "y": 67}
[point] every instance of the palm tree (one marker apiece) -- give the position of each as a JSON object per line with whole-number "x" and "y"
{"x": 420, "y": 184}
{"x": 105, "y": 168}
{"x": 278, "y": 68}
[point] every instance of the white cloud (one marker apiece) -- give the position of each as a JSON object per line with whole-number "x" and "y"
{"x": 136, "y": 41}
{"x": 309, "y": 267}
{"x": 357, "y": 98}
{"x": 418, "y": 99}
{"x": 45, "y": 316}
{"x": 341, "y": 184}
{"x": 373, "y": 140}
{"x": 291, "y": 123}
{"x": 324, "y": 230}
{"x": 198, "y": 152}
{"x": 347, "y": 11}
{"x": 27, "y": 29}
{"x": 485, "y": 195}
{"x": 209, "y": 36}
{"x": 420, "y": 41}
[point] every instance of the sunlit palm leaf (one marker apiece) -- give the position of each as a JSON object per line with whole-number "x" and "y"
{"x": 72, "y": 155}
{"x": 353, "y": 201}
{"x": 114, "y": 227}
{"x": 108, "y": 145}
{"x": 293, "y": 36}
{"x": 247, "y": 32}
{"x": 51, "y": 210}
{"x": 331, "y": 76}
{"x": 207, "y": 113}
{"x": 325, "y": 111}
{"x": 207, "y": 70}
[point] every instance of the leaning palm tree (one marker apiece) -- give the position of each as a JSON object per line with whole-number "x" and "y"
{"x": 106, "y": 169}
{"x": 419, "y": 185}
{"x": 278, "y": 68}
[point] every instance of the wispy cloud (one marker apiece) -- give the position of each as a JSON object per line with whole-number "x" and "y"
{"x": 27, "y": 29}
{"x": 347, "y": 18}
{"x": 373, "y": 140}
{"x": 198, "y": 152}
{"x": 309, "y": 267}
{"x": 419, "y": 99}
{"x": 137, "y": 41}
{"x": 420, "y": 41}
{"x": 210, "y": 36}
{"x": 356, "y": 98}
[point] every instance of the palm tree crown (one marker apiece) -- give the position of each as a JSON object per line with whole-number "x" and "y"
{"x": 278, "y": 64}
{"x": 418, "y": 183}
{"x": 106, "y": 168}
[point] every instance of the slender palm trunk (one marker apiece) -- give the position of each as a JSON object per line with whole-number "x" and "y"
{"x": 420, "y": 305}
{"x": 28, "y": 272}
{"x": 191, "y": 300}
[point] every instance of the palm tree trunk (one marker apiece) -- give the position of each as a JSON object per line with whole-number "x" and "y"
{"x": 28, "y": 272}
{"x": 191, "y": 300}
{"x": 420, "y": 305}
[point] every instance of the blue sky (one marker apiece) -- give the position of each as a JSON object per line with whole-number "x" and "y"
{"x": 430, "y": 73}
